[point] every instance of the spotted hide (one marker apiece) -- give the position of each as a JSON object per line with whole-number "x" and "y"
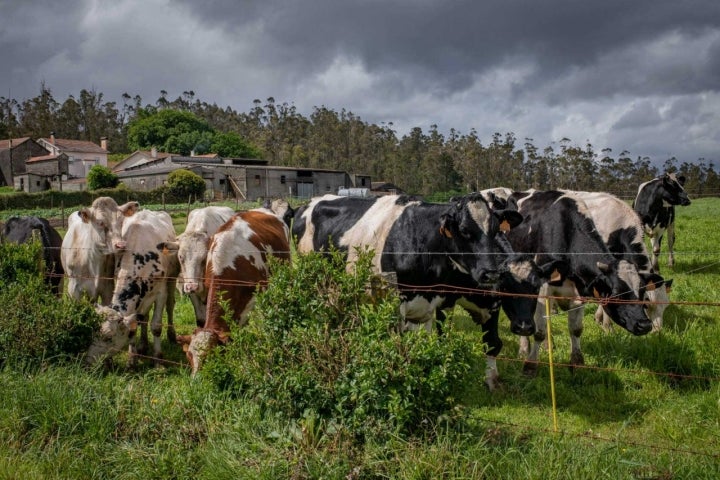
{"x": 191, "y": 248}
{"x": 621, "y": 229}
{"x": 655, "y": 204}
{"x": 236, "y": 267}
{"x": 432, "y": 248}
{"x": 146, "y": 279}
{"x": 557, "y": 225}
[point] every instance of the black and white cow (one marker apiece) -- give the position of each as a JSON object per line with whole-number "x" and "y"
{"x": 22, "y": 229}
{"x": 427, "y": 245}
{"x": 558, "y": 226}
{"x": 145, "y": 280}
{"x": 655, "y": 204}
{"x": 622, "y": 231}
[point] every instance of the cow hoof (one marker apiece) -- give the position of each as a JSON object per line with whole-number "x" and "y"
{"x": 171, "y": 336}
{"x": 576, "y": 359}
{"x": 530, "y": 369}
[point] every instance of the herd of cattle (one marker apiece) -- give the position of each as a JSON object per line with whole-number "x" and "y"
{"x": 483, "y": 251}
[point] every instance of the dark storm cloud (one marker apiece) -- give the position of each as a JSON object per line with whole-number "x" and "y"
{"x": 642, "y": 75}
{"x": 445, "y": 44}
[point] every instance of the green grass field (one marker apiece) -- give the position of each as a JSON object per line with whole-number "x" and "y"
{"x": 644, "y": 408}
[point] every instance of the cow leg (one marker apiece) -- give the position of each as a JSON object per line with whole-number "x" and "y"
{"x": 655, "y": 240}
{"x": 133, "y": 348}
{"x": 603, "y": 319}
{"x": 200, "y": 309}
{"x": 575, "y": 327}
{"x": 156, "y": 327}
{"x": 530, "y": 366}
{"x": 671, "y": 243}
{"x": 488, "y": 322}
{"x": 170, "y": 311}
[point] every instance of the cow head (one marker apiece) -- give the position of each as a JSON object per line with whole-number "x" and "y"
{"x": 673, "y": 191}
{"x": 471, "y": 225}
{"x": 198, "y": 345}
{"x": 520, "y": 282}
{"x": 191, "y": 249}
{"x": 113, "y": 336}
{"x": 619, "y": 281}
{"x": 106, "y": 217}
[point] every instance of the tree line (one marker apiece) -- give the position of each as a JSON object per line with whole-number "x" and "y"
{"x": 421, "y": 162}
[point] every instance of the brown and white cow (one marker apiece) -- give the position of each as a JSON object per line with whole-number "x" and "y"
{"x": 236, "y": 267}
{"x": 145, "y": 280}
{"x": 191, "y": 248}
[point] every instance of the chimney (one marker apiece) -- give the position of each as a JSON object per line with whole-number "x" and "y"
{"x": 103, "y": 143}
{"x": 153, "y": 152}
{"x": 52, "y": 138}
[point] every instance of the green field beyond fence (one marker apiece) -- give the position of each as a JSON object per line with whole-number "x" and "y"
{"x": 642, "y": 408}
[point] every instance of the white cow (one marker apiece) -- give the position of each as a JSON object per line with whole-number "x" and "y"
{"x": 191, "y": 248}
{"x": 145, "y": 279}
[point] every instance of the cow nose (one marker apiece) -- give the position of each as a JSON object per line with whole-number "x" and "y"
{"x": 642, "y": 328}
{"x": 524, "y": 329}
{"x": 190, "y": 287}
{"x": 489, "y": 277}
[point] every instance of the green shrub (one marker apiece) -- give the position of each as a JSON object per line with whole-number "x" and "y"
{"x": 100, "y": 176}
{"x": 36, "y": 327}
{"x": 318, "y": 346}
{"x": 184, "y": 183}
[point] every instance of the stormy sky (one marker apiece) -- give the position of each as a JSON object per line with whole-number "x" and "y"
{"x": 639, "y": 75}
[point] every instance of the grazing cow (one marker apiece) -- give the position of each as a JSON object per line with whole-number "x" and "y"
{"x": 655, "y": 204}
{"x": 89, "y": 271}
{"x": 557, "y": 225}
{"x": 191, "y": 248}
{"x": 146, "y": 278}
{"x": 236, "y": 267}
{"x": 621, "y": 229}
{"x": 426, "y": 245}
{"x": 22, "y": 229}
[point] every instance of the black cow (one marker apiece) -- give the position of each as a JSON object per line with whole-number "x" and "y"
{"x": 557, "y": 226}
{"x": 655, "y": 204}
{"x": 21, "y": 230}
{"x": 429, "y": 246}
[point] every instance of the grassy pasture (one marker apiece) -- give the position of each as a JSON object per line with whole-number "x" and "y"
{"x": 645, "y": 407}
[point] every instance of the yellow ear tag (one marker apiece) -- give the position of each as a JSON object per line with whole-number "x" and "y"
{"x": 650, "y": 287}
{"x": 596, "y": 294}
{"x": 165, "y": 251}
{"x": 445, "y": 232}
{"x": 555, "y": 276}
{"x": 505, "y": 226}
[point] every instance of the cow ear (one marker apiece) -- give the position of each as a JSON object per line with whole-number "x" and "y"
{"x": 84, "y": 214}
{"x": 223, "y": 338}
{"x": 555, "y": 272}
{"x": 168, "y": 247}
{"x": 599, "y": 288}
{"x": 668, "y": 284}
{"x": 183, "y": 340}
{"x": 131, "y": 322}
{"x": 129, "y": 209}
{"x": 681, "y": 179}
{"x": 603, "y": 267}
{"x": 509, "y": 219}
{"x": 448, "y": 224}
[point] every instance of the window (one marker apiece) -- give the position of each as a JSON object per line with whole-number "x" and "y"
{"x": 257, "y": 179}
{"x": 222, "y": 181}
{"x": 282, "y": 179}
{"x": 362, "y": 181}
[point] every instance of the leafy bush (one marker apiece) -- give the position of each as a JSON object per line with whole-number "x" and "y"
{"x": 100, "y": 176}
{"x": 318, "y": 346}
{"x": 184, "y": 183}
{"x": 35, "y": 326}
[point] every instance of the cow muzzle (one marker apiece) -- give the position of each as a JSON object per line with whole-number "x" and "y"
{"x": 190, "y": 287}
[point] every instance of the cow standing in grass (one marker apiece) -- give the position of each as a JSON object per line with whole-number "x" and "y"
{"x": 191, "y": 248}
{"x": 236, "y": 267}
{"x": 655, "y": 204}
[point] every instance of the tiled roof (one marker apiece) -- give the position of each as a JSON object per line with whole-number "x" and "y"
{"x": 84, "y": 146}
{"x": 42, "y": 158}
{"x": 5, "y": 144}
